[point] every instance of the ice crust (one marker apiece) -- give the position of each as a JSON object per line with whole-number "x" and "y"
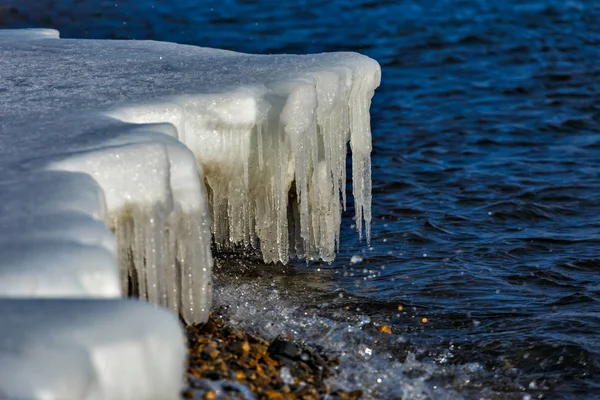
{"x": 122, "y": 160}
{"x": 89, "y": 350}
{"x": 153, "y": 122}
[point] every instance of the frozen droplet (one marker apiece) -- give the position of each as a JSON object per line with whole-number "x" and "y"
{"x": 355, "y": 259}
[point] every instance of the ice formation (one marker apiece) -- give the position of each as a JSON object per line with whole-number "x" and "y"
{"x": 268, "y": 134}
{"x": 273, "y": 151}
{"x": 117, "y": 159}
{"x": 159, "y": 216}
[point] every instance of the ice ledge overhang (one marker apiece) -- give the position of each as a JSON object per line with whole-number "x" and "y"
{"x": 114, "y": 137}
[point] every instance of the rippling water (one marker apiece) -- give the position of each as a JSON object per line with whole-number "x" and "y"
{"x": 486, "y": 184}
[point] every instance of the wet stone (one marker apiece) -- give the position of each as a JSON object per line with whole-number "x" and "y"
{"x": 283, "y": 348}
{"x": 228, "y": 363}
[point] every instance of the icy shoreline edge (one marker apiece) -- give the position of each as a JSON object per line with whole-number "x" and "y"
{"x": 122, "y": 142}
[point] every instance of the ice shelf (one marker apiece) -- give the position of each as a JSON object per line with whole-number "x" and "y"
{"x": 269, "y": 132}
{"x": 123, "y": 161}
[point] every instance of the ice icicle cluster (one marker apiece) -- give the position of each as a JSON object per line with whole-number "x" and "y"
{"x": 190, "y": 144}
{"x": 159, "y": 217}
{"x": 274, "y": 156}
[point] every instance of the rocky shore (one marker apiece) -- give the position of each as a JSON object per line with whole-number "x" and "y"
{"x": 228, "y": 363}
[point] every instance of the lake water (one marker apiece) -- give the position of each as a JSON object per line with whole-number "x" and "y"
{"x": 485, "y": 255}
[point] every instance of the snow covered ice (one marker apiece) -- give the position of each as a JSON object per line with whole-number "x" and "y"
{"x": 122, "y": 160}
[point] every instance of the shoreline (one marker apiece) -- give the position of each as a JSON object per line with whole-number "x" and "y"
{"x": 230, "y": 363}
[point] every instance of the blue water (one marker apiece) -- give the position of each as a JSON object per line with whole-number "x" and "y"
{"x": 486, "y": 172}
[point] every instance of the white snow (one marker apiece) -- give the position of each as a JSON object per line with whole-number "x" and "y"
{"x": 121, "y": 160}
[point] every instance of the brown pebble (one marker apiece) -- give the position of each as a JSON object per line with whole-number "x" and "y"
{"x": 209, "y": 328}
{"x": 273, "y": 395}
{"x": 209, "y": 395}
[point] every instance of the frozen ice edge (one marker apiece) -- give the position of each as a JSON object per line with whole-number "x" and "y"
{"x": 172, "y": 118}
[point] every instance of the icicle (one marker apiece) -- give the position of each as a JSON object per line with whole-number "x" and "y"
{"x": 360, "y": 142}
{"x": 166, "y": 260}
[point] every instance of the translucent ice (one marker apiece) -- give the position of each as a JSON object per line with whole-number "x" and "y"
{"x": 273, "y": 152}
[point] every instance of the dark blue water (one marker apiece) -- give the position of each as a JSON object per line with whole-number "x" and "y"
{"x": 486, "y": 171}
